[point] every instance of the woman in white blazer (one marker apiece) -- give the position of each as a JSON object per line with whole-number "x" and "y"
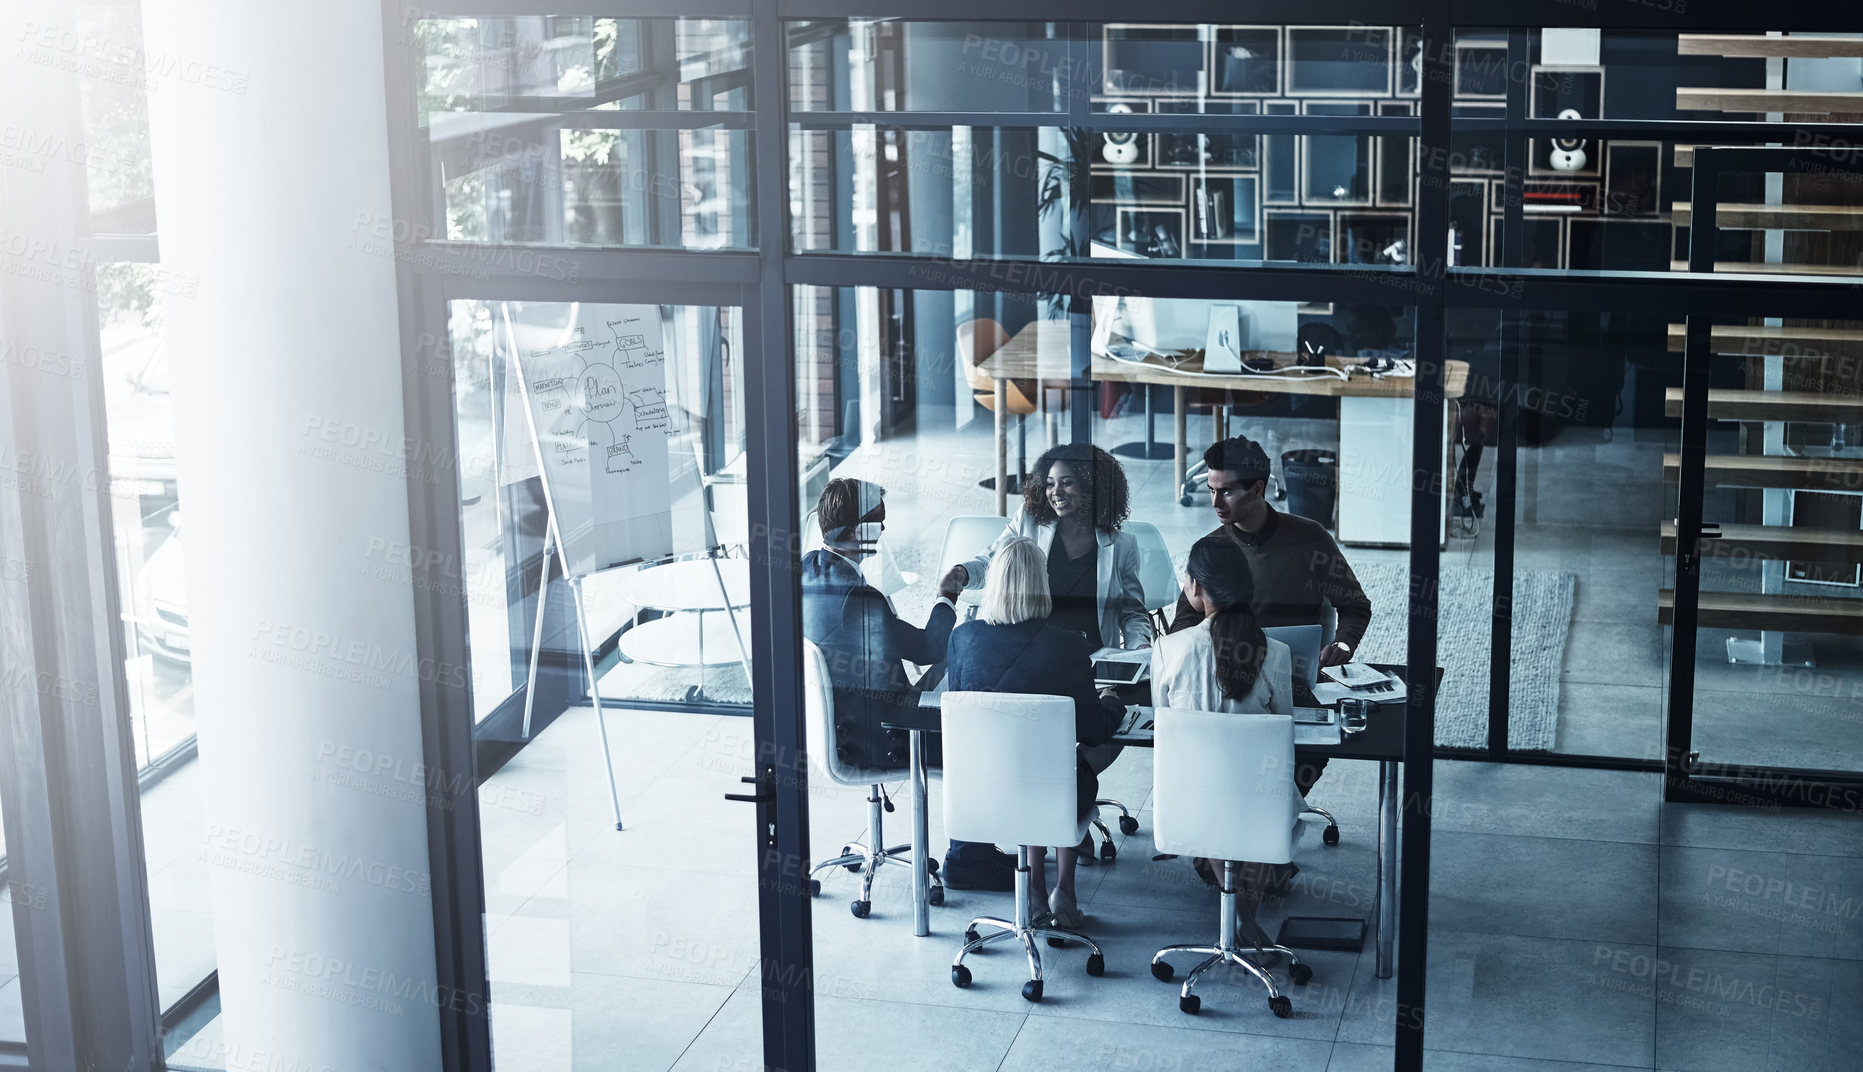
{"x": 1224, "y": 663}
{"x": 1072, "y": 507}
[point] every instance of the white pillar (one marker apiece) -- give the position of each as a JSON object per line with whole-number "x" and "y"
{"x": 269, "y": 135}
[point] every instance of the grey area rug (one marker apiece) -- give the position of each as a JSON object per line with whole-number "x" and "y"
{"x": 1542, "y": 620}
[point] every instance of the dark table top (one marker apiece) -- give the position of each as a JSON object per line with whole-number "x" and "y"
{"x": 1383, "y": 739}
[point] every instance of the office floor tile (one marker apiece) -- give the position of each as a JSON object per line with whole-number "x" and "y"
{"x": 1544, "y": 801}
{"x": 1543, "y": 887}
{"x": 1047, "y": 1043}
{"x": 1718, "y": 898}
{"x": 1523, "y": 997}
{"x": 1354, "y": 1057}
{"x": 1720, "y": 826}
{"x": 1721, "y": 1011}
{"x": 857, "y": 1035}
{"x": 1611, "y": 720}
{"x": 585, "y": 1027}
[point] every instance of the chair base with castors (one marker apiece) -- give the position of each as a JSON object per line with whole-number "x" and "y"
{"x": 1127, "y": 826}
{"x": 866, "y": 859}
{"x": 1026, "y": 930}
{"x": 1228, "y": 951}
{"x": 1331, "y": 834}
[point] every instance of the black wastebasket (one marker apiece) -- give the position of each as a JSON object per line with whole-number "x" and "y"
{"x": 1311, "y": 478}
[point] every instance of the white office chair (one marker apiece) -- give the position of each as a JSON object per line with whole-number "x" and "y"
{"x": 1009, "y": 778}
{"x": 1225, "y": 791}
{"x": 824, "y": 757}
{"x": 966, "y": 537}
{"x": 1157, "y": 573}
{"x": 1329, "y": 623}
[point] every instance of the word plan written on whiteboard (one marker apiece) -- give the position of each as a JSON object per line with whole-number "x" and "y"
{"x": 596, "y": 398}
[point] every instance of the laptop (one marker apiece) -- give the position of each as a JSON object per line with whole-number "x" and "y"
{"x": 1303, "y": 642}
{"x": 1113, "y": 667}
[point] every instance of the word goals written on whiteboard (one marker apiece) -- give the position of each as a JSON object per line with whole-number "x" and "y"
{"x": 596, "y": 399}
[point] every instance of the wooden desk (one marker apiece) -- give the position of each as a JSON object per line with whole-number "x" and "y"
{"x": 1374, "y": 430}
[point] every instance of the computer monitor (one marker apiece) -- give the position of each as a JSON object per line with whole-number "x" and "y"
{"x": 1172, "y": 324}
{"x": 1303, "y": 642}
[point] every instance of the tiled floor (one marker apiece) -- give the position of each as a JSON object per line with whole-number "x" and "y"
{"x": 1576, "y": 922}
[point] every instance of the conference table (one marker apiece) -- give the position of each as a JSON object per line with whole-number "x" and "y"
{"x": 1375, "y": 424}
{"x": 1381, "y": 742}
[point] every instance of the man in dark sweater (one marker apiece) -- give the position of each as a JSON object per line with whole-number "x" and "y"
{"x": 1297, "y": 566}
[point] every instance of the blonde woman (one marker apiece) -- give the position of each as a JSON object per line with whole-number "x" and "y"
{"x": 1012, "y": 647}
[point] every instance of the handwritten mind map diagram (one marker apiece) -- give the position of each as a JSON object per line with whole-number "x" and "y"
{"x": 598, "y": 399}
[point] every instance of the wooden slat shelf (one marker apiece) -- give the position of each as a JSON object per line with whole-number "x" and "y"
{"x": 1741, "y": 405}
{"x": 1811, "y": 46}
{"x": 1811, "y": 343}
{"x": 1767, "y": 100}
{"x": 1753, "y": 610}
{"x": 1778, "y": 542}
{"x": 1774, "y": 471}
{"x": 1752, "y": 268}
{"x": 1779, "y": 217}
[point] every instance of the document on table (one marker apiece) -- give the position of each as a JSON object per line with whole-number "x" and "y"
{"x": 1138, "y": 726}
{"x": 1391, "y": 691}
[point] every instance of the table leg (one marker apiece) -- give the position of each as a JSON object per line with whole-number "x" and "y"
{"x": 1002, "y": 447}
{"x": 1178, "y": 397}
{"x": 1219, "y": 423}
{"x": 1387, "y": 866}
{"x": 921, "y": 837}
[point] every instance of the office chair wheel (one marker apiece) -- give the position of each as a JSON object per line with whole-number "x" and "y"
{"x": 1128, "y": 825}
{"x": 1057, "y": 943}
{"x": 860, "y": 908}
{"x": 1189, "y": 1003}
{"x": 936, "y": 896}
{"x": 1108, "y": 851}
{"x": 960, "y": 976}
{"x": 855, "y": 868}
{"x": 1187, "y": 500}
{"x": 1031, "y": 990}
{"x": 815, "y": 887}
{"x": 1096, "y": 965}
{"x": 1330, "y": 836}
{"x": 1281, "y": 1005}
{"x": 1161, "y": 971}
{"x": 1300, "y": 974}
{"x": 971, "y": 935}
{"x": 932, "y": 865}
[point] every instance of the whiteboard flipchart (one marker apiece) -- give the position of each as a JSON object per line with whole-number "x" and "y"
{"x": 594, "y": 393}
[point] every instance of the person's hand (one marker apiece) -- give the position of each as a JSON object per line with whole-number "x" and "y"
{"x": 1109, "y": 693}
{"x": 952, "y": 584}
{"x": 1335, "y": 655}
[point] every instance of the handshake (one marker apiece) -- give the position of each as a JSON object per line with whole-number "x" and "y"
{"x": 952, "y": 584}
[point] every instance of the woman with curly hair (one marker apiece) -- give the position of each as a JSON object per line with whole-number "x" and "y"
{"x": 1072, "y": 507}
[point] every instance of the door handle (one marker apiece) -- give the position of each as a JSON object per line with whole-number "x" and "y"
{"x": 761, "y": 796}
{"x": 1710, "y": 530}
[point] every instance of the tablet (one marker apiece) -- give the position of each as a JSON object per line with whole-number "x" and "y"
{"x": 1117, "y": 671}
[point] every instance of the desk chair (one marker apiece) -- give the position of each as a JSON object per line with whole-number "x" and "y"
{"x": 864, "y": 860}
{"x": 1009, "y": 778}
{"x": 966, "y": 537}
{"x": 1329, "y": 624}
{"x": 1225, "y": 791}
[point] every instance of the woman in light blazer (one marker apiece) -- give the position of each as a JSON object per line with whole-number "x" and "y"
{"x": 1225, "y": 663}
{"x": 1072, "y": 507}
